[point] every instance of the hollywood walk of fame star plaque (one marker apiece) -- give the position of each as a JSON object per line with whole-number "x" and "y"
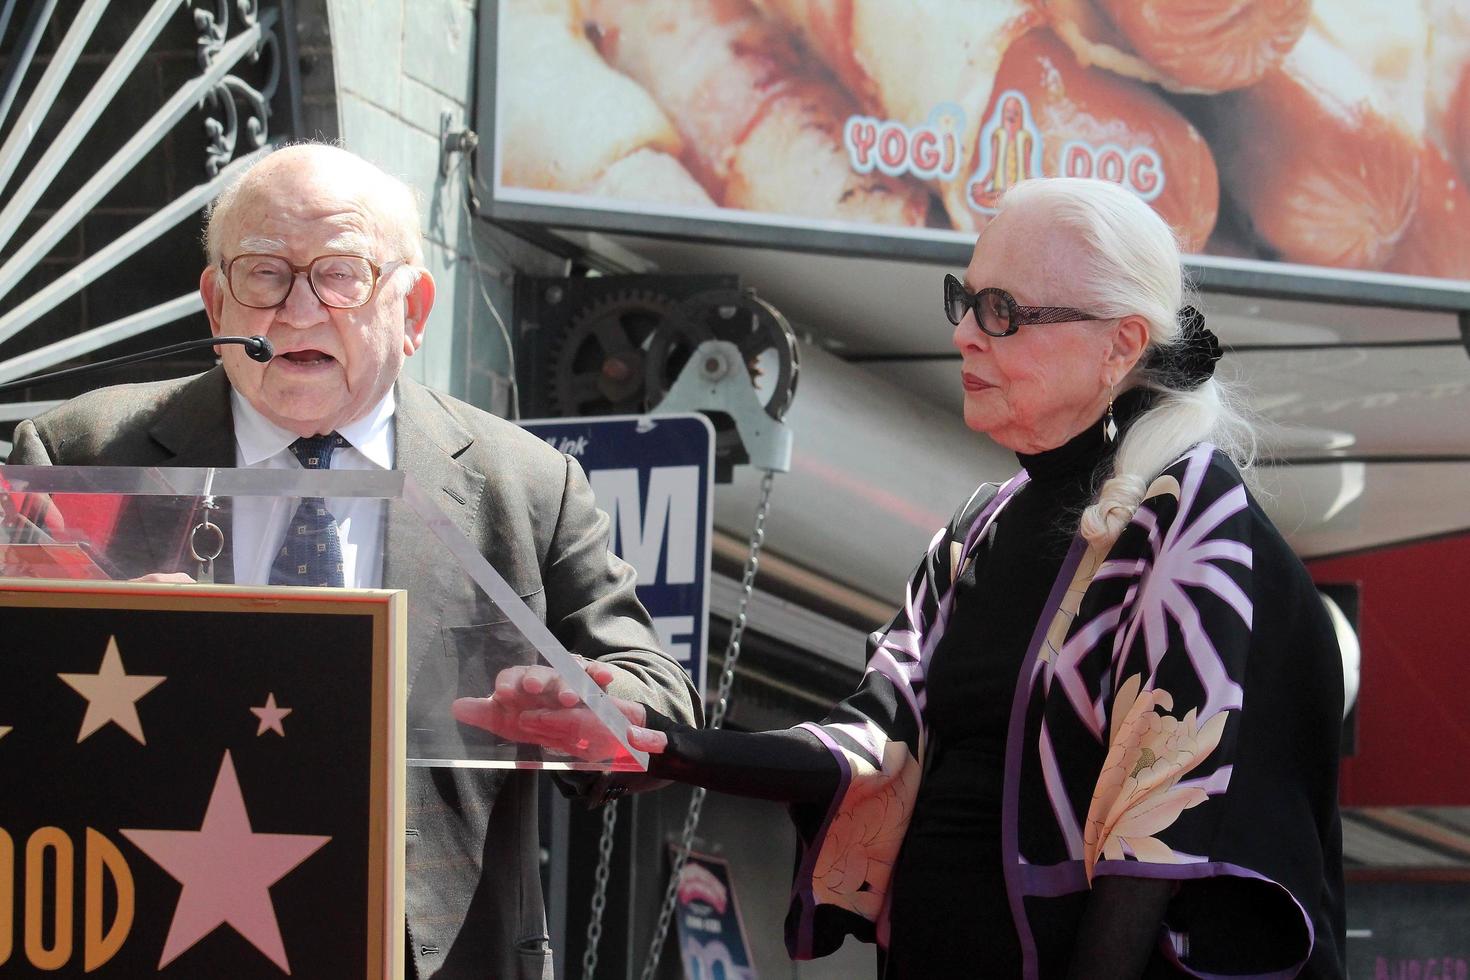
{"x": 201, "y": 781}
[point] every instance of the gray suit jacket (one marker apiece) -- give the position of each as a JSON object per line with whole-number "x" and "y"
{"x": 474, "y": 890}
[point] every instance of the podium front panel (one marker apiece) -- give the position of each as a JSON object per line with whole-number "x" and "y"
{"x": 202, "y": 781}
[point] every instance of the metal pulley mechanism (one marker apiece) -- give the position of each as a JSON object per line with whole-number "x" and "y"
{"x": 764, "y": 340}
{"x": 626, "y": 345}
{"x": 733, "y": 356}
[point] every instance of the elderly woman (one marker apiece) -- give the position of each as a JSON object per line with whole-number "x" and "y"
{"x": 1100, "y": 738}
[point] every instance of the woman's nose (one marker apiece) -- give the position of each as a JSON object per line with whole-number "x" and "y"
{"x": 968, "y": 335}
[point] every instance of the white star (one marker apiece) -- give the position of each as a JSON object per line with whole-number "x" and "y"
{"x": 227, "y": 871}
{"x": 270, "y": 716}
{"x": 112, "y": 694}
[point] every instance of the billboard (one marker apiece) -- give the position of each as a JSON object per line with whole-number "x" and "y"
{"x": 1324, "y": 146}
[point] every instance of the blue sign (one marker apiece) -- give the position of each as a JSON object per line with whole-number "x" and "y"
{"x": 654, "y": 477}
{"x": 712, "y": 940}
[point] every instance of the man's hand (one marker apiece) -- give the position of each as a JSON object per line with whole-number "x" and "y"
{"x": 166, "y": 578}
{"x": 532, "y": 704}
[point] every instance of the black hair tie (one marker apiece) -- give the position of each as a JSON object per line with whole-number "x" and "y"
{"x": 1190, "y": 361}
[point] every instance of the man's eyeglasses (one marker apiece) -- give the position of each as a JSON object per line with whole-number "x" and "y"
{"x": 997, "y": 311}
{"x": 262, "y": 282}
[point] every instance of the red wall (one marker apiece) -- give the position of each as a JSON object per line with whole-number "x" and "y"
{"x": 1414, "y": 701}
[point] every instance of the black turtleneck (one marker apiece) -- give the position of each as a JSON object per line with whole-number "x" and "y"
{"x": 998, "y": 601}
{"x": 951, "y": 856}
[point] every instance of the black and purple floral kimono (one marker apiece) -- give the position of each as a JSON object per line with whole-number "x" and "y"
{"x": 1177, "y": 716}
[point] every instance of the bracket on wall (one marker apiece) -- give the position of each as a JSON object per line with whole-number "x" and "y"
{"x": 452, "y": 141}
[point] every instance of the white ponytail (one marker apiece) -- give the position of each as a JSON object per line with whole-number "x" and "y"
{"x": 1176, "y": 422}
{"x": 1134, "y": 268}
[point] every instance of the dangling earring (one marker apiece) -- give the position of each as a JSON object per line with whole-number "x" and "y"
{"x": 1110, "y": 427}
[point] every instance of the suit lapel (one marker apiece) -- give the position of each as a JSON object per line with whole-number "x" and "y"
{"x": 427, "y": 443}
{"x": 199, "y": 432}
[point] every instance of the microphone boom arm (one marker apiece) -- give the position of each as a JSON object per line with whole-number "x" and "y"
{"x": 257, "y": 347}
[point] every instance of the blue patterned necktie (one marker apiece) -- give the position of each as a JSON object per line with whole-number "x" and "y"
{"x": 312, "y": 552}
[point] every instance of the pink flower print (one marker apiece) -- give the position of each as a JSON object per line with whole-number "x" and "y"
{"x": 856, "y": 859}
{"x": 1137, "y": 794}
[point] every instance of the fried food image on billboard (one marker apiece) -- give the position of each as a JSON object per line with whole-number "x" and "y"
{"x": 1338, "y": 181}
{"x": 1207, "y": 47}
{"x": 1322, "y": 132}
{"x": 1095, "y": 124}
{"x": 762, "y": 125}
{"x": 1435, "y": 243}
{"x": 574, "y": 124}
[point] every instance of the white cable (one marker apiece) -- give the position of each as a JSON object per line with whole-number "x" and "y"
{"x": 510, "y": 353}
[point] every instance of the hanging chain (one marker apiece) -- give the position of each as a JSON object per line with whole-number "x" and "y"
{"x": 716, "y": 720}
{"x": 599, "y": 890}
{"x": 747, "y": 586}
{"x": 696, "y": 802}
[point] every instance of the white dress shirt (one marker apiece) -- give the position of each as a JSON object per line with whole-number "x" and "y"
{"x": 259, "y": 523}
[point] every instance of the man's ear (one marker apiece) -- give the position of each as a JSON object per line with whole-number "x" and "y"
{"x": 212, "y": 288}
{"x": 1130, "y": 339}
{"x": 417, "y": 302}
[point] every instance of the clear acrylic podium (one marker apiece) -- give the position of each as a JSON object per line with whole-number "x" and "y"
{"x": 466, "y": 623}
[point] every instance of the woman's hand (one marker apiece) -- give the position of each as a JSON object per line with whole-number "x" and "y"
{"x": 532, "y": 704}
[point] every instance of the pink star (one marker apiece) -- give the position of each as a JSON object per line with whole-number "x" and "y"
{"x": 227, "y": 871}
{"x": 112, "y": 694}
{"x": 270, "y": 716}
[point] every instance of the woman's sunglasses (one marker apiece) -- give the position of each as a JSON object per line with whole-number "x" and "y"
{"x": 997, "y": 311}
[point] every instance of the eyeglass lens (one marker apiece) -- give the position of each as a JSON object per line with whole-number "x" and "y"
{"x": 955, "y": 300}
{"x": 263, "y": 281}
{"x": 995, "y": 314}
{"x": 991, "y": 307}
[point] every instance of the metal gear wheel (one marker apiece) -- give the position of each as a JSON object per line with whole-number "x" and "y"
{"x": 766, "y": 342}
{"x": 598, "y": 366}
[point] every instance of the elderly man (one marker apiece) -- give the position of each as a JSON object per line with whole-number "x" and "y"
{"x": 319, "y": 251}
